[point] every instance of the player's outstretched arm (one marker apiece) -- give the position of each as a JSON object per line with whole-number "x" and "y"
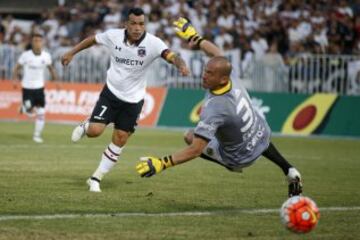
{"x": 86, "y": 43}
{"x": 185, "y": 30}
{"x": 176, "y": 60}
{"x": 150, "y": 166}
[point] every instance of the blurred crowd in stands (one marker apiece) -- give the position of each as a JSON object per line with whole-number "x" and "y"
{"x": 285, "y": 27}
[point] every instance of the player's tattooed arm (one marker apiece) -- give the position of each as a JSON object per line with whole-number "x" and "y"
{"x": 181, "y": 65}
{"x": 176, "y": 60}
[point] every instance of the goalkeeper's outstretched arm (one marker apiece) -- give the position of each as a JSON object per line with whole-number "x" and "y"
{"x": 154, "y": 165}
{"x": 208, "y": 48}
{"x": 185, "y": 30}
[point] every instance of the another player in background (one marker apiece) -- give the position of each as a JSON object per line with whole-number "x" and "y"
{"x": 230, "y": 132}
{"x": 132, "y": 51}
{"x": 34, "y": 62}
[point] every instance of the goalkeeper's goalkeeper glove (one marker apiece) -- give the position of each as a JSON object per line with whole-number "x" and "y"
{"x": 185, "y": 30}
{"x": 153, "y": 165}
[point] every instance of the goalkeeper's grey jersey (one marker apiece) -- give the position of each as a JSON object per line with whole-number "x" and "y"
{"x": 230, "y": 118}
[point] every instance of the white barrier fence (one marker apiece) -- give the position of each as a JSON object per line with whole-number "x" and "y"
{"x": 330, "y": 73}
{"x": 303, "y": 74}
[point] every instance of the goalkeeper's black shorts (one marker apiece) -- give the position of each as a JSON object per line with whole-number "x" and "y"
{"x": 110, "y": 109}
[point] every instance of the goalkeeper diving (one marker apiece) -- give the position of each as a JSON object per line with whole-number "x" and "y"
{"x": 230, "y": 131}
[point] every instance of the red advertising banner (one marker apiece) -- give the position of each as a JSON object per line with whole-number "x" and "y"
{"x": 73, "y": 102}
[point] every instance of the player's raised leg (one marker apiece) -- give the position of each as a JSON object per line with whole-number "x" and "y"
{"x": 100, "y": 117}
{"x": 80, "y": 131}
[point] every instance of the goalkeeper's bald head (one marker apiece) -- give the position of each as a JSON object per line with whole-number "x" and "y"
{"x": 221, "y": 65}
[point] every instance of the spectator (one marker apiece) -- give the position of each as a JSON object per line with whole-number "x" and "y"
{"x": 357, "y": 27}
{"x": 344, "y": 9}
{"x": 294, "y": 32}
{"x": 224, "y": 39}
{"x": 226, "y": 20}
{"x": 154, "y": 23}
{"x": 198, "y": 18}
{"x": 113, "y": 18}
{"x": 75, "y": 25}
{"x": 259, "y": 45}
{"x": 50, "y": 25}
{"x": 270, "y": 7}
{"x": 329, "y": 26}
{"x": 247, "y": 56}
{"x": 2, "y": 33}
{"x": 320, "y": 37}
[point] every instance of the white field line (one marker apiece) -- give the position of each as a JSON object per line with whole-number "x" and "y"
{"x": 164, "y": 214}
{"x": 131, "y": 147}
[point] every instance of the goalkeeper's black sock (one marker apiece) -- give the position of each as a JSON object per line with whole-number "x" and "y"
{"x": 273, "y": 155}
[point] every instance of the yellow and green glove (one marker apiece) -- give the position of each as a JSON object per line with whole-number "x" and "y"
{"x": 185, "y": 30}
{"x": 153, "y": 165}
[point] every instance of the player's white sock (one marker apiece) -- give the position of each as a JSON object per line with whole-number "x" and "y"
{"x": 108, "y": 160}
{"x": 39, "y": 122}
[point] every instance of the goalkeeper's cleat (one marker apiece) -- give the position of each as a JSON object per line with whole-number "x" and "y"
{"x": 38, "y": 139}
{"x": 94, "y": 184}
{"x": 295, "y": 184}
{"x": 80, "y": 131}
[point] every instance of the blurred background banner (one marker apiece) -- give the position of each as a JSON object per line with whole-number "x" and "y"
{"x": 291, "y": 114}
{"x": 72, "y": 102}
{"x": 299, "y": 114}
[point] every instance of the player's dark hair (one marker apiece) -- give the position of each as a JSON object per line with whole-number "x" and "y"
{"x": 136, "y": 11}
{"x": 36, "y": 35}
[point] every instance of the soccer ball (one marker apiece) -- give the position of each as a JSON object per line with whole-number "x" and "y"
{"x": 299, "y": 214}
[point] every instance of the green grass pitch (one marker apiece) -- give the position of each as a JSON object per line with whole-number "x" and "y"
{"x": 49, "y": 179}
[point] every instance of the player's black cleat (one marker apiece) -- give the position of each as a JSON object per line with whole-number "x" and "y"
{"x": 295, "y": 187}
